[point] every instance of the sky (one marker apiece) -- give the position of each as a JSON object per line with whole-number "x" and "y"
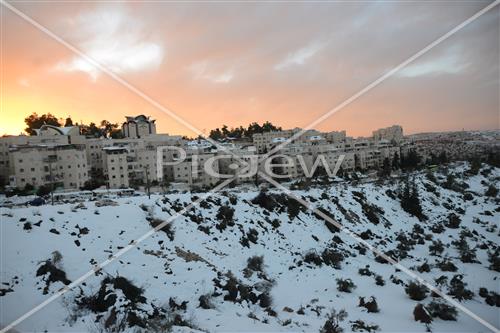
{"x": 235, "y": 63}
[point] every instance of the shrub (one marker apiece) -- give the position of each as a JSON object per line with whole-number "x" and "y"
{"x": 453, "y": 221}
{"x": 365, "y": 271}
{"x": 416, "y": 291}
{"x": 492, "y": 299}
{"x": 256, "y": 263}
{"x": 333, "y": 320}
{"x": 332, "y": 258}
{"x": 421, "y": 314}
{"x": 345, "y": 286}
{"x": 225, "y": 216}
{"x": 275, "y": 223}
{"x": 167, "y": 228}
{"x": 425, "y": 267}
{"x": 436, "y": 248}
{"x": 371, "y": 305}
{"x": 265, "y": 300}
{"x": 361, "y": 326}
{"x": 252, "y": 235}
{"x": 379, "y": 280}
{"x": 54, "y": 275}
{"x": 458, "y": 289}
{"x": 206, "y": 301}
{"x": 43, "y": 190}
{"x": 447, "y": 265}
{"x": 492, "y": 191}
{"x": 494, "y": 259}
{"x": 442, "y": 310}
{"x": 312, "y": 257}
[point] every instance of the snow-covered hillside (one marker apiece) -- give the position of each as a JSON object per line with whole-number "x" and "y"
{"x": 244, "y": 261}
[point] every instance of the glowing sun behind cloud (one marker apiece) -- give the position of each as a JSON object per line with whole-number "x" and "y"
{"x": 114, "y": 39}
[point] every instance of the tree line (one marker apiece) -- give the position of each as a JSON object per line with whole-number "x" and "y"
{"x": 242, "y": 132}
{"x": 104, "y": 128}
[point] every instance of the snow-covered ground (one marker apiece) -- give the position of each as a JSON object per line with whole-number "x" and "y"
{"x": 196, "y": 261}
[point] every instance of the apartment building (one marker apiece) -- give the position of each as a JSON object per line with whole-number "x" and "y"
{"x": 116, "y": 166}
{"x": 264, "y": 142}
{"x": 47, "y": 135}
{"x": 392, "y": 134}
{"x": 64, "y": 165}
{"x": 144, "y": 156}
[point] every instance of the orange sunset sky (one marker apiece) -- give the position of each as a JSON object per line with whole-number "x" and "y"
{"x": 235, "y": 63}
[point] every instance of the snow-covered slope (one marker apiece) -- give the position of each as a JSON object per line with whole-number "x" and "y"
{"x": 296, "y": 287}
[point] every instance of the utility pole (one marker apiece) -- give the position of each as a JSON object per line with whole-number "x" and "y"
{"x": 147, "y": 183}
{"x": 51, "y": 183}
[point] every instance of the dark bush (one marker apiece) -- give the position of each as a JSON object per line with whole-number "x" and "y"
{"x": 453, "y": 221}
{"x": 225, "y": 216}
{"x": 167, "y": 228}
{"x": 494, "y": 259}
{"x": 332, "y": 258}
{"x": 458, "y": 289}
{"x": 379, "y": 280}
{"x": 416, "y": 291}
{"x": 345, "y": 286}
{"x": 492, "y": 191}
{"x": 312, "y": 257}
{"x": 436, "y": 248}
{"x": 421, "y": 314}
{"x": 265, "y": 300}
{"x": 333, "y": 320}
{"x": 447, "y": 265}
{"x": 365, "y": 271}
{"x": 206, "y": 302}
{"x": 371, "y": 305}
{"x": 256, "y": 263}
{"x": 361, "y": 326}
{"x": 442, "y": 310}
{"x": 54, "y": 275}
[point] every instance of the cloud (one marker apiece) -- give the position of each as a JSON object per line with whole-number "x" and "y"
{"x": 300, "y": 56}
{"x": 115, "y": 40}
{"x": 204, "y": 70}
{"x": 449, "y": 63}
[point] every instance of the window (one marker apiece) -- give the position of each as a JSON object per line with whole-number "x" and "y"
{"x": 32, "y": 169}
{"x": 20, "y": 161}
{"x": 21, "y": 170}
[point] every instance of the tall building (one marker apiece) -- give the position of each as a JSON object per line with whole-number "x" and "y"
{"x": 138, "y": 127}
{"x": 392, "y": 134}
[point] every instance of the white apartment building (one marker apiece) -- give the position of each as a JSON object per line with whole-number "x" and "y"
{"x": 392, "y": 134}
{"x": 116, "y": 167}
{"x": 134, "y": 160}
{"x": 264, "y": 142}
{"x": 65, "y": 165}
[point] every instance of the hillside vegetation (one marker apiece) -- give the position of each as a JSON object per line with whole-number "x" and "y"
{"x": 250, "y": 261}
